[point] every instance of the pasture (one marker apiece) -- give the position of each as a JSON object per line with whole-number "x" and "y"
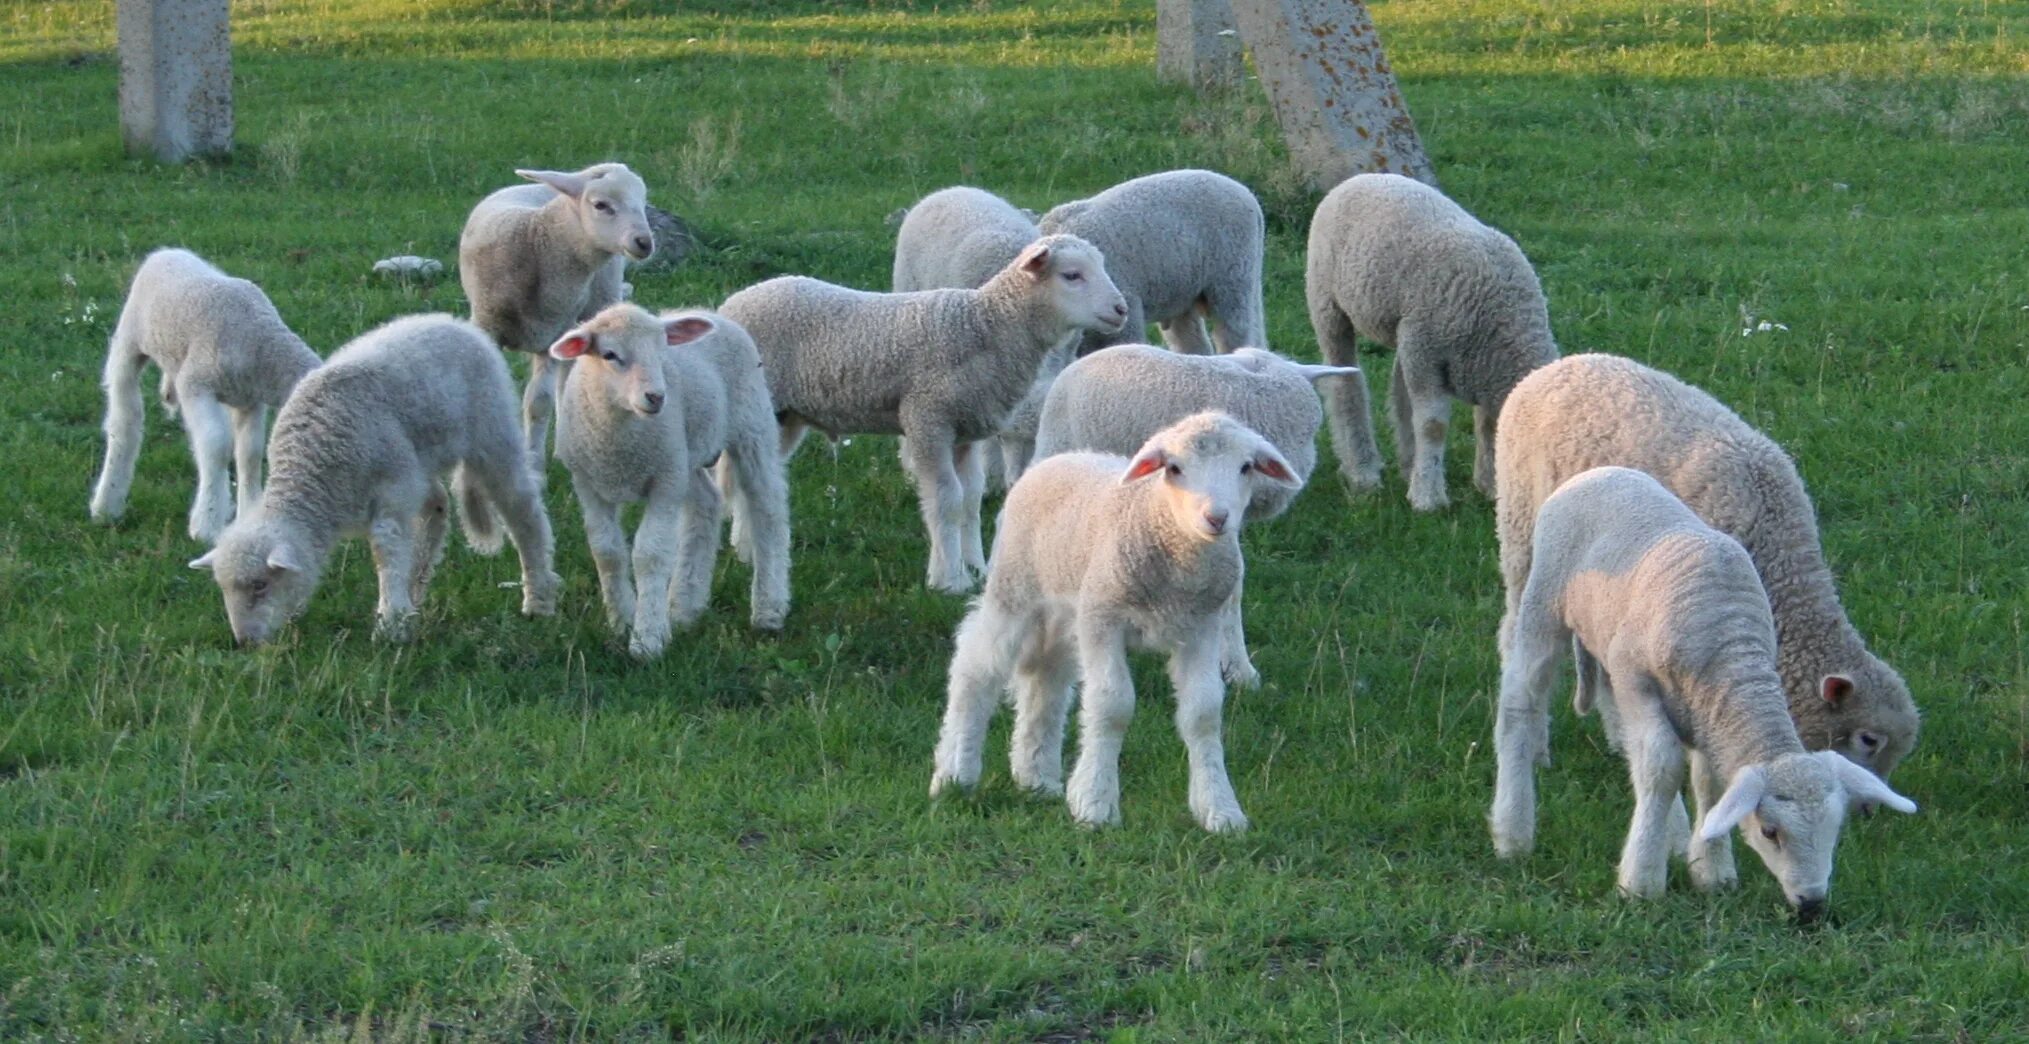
{"x": 508, "y": 829}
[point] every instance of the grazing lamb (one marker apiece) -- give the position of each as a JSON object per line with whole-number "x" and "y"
{"x": 1675, "y": 612}
{"x": 1586, "y": 411}
{"x": 1113, "y": 400}
{"x": 1182, "y": 245}
{"x": 960, "y": 238}
{"x": 226, "y": 357}
{"x": 536, "y": 259}
{"x": 623, "y": 444}
{"x": 363, "y": 447}
{"x": 1094, "y": 554}
{"x": 1395, "y": 261}
{"x": 943, "y": 367}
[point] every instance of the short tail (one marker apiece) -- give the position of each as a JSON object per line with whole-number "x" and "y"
{"x": 476, "y": 514}
{"x": 123, "y": 422}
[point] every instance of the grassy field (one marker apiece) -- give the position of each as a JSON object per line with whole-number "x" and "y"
{"x": 510, "y": 830}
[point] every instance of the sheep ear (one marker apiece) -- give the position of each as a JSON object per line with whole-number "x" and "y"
{"x": 1864, "y": 787}
{"x": 283, "y": 557}
{"x": 1749, "y": 784}
{"x": 688, "y": 328}
{"x": 1835, "y": 688}
{"x": 1035, "y": 260}
{"x": 206, "y": 560}
{"x": 1313, "y": 372}
{"x": 572, "y": 185}
{"x": 1270, "y": 463}
{"x": 1146, "y": 463}
{"x": 572, "y": 345}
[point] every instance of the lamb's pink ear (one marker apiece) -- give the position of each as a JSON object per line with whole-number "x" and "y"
{"x": 571, "y": 185}
{"x": 1272, "y": 466}
{"x": 1146, "y": 463}
{"x": 1035, "y": 260}
{"x": 284, "y": 558}
{"x": 572, "y": 345}
{"x": 205, "y": 560}
{"x": 1835, "y": 688}
{"x": 687, "y": 328}
{"x": 1864, "y": 787}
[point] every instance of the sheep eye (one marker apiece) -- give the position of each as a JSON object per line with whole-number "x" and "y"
{"x": 1072, "y": 277}
{"x": 603, "y": 207}
{"x": 1246, "y": 467}
{"x": 258, "y": 587}
{"x": 609, "y": 357}
{"x": 1175, "y": 470}
{"x": 1870, "y": 741}
{"x": 1772, "y": 834}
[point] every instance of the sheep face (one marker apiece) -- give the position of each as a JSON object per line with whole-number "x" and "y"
{"x": 1073, "y": 275}
{"x": 611, "y": 203}
{"x": 623, "y": 347}
{"x": 1211, "y": 467}
{"x": 265, "y": 577}
{"x": 1872, "y": 719}
{"x": 1791, "y": 811}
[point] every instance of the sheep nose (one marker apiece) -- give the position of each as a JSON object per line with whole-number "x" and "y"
{"x": 1216, "y": 521}
{"x": 1810, "y": 909}
{"x": 644, "y": 245}
{"x": 653, "y": 400}
{"x": 1119, "y": 310}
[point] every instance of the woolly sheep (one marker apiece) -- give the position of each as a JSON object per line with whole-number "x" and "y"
{"x": 536, "y": 259}
{"x": 1591, "y": 410}
{"x": 1182, "y": 245}
{"x": 943, "y": 367}
{"x": 1094, "y": 554}
{"x": 226, "y": 358}
{"x": 623, "y": 445}
{"x": 363, "y": 446}
{"x": 1113, "y": 400}
{"x": 1676, "y": 614}
{"x": 959, "y": 238}
{"x": 1395, "y": 261}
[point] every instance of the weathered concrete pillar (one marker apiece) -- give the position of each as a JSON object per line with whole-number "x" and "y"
{"x": 1198, "y": 42}
{"x": 1332, "y": 89}
{"x": 175, "y": 77}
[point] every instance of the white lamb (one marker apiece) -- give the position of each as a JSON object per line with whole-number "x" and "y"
{"x": 943, "y": 367}
{"x": 1586, "y": 411}
{"x": 1182, "y": 245}
{"x": 1115, "y": 399}
{"x": 226, "y": 358}
{"x": 650, "y": 405}
{"x": 961, "y": 237}
{"x": 1393, "y": 260}
{"x": 363, "y": 446}
{"x": 536, "y": 259}
{"x": 1674, "y": 611}
{"x": 1096, "y": 554}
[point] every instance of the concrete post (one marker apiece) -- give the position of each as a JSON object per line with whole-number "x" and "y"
{"x": 1197, "y": 42}
{"x": 1333, "y": 92}
{"x": 175, "y": 77}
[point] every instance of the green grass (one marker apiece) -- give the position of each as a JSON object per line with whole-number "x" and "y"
{"x": 507, "y": 829}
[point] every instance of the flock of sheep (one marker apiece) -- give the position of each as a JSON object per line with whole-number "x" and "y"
{"x": 1645, "y": 530}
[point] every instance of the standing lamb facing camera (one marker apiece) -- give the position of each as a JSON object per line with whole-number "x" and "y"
{"x": 943, "y": 367}
{"x": 959, "y": 238}
{"x": 536, "y": 259}
{"x": 1588, "y": 411}
{"x": 1676, "y": 613}
{"x": 1096, "y": 554}
{"x": 1115, "y": 399}
{"x": 650, "y": 405}
{"x": 363, "y": 447}
{"x": 1183, "y": 245}
{"x": 1394, "y": 260}
{"x": 226, "y": 358}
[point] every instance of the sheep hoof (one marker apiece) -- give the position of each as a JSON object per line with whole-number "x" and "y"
{"x": 645, "y": 646}
{"x": 1241, "y": 674}
{"x": 1093, "y": 811}
{"x": 767, "y": 619}
{"x": 942, "y": 781}
{"x": 1426, "y": 501}
{"x": 1364, "y": 481}
{"x": 540, "y": 598}
{"x": 1513, "y": 847}
{"x": 1223, "y": 821}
